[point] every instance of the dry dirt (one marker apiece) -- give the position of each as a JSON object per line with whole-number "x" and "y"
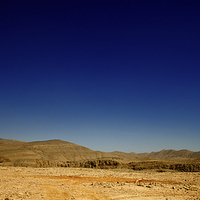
{"x": 93, "y": 184}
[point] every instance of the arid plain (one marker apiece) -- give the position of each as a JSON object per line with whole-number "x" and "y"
{"x": 61, "y": 170}
{"x": 92, "y": 184}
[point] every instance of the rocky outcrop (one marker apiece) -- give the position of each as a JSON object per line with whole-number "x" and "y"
{"x": 112, "y": 164}
{"x": 184, "y": 167}
{"x": 98, "y": 164}
{"x": 3, "y": 159}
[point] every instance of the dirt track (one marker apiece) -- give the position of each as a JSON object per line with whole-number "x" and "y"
{"x": 93, "y": 184}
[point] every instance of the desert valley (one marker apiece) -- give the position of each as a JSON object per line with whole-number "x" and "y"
{"x": 57, "y": 169}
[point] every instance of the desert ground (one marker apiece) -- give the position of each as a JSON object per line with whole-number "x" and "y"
{"x": 93, "y": 184}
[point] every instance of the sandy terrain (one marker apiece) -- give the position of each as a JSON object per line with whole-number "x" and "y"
{"x": 92, "y": 184}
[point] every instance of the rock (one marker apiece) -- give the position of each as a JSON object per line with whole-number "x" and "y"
{"x": 193, "y": 188}
{"x": 148, "y": 186}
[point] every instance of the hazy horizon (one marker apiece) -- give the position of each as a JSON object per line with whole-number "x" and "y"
{"x": 107, "y": 75}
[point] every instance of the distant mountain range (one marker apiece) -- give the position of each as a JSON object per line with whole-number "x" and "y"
{"x": 18, "y": 153}
{"x": 172, "y": 154}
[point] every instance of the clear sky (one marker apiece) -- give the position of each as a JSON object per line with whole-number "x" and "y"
{"x": 106, "y": 74}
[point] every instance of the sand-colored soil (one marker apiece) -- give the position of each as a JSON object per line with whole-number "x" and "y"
{"x": 93, "y": 184}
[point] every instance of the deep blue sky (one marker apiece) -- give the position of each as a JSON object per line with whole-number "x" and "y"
{"x": 106, "y": 74}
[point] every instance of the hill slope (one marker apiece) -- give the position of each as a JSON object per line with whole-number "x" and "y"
{"x": 18, "y": 153}
{"x": 172, "y": 154}
{"x": 26, "y": 153}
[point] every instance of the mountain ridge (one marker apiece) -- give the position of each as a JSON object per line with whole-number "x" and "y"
{"x": 15, "y": 152}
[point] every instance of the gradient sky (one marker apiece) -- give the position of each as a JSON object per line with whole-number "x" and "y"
{"x": 106, "y": 74}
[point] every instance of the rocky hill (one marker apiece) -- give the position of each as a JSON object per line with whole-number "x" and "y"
{"x": 26, "y": 153}
{"x": 58, "y": 153}
{"x": 172, "y": 154}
